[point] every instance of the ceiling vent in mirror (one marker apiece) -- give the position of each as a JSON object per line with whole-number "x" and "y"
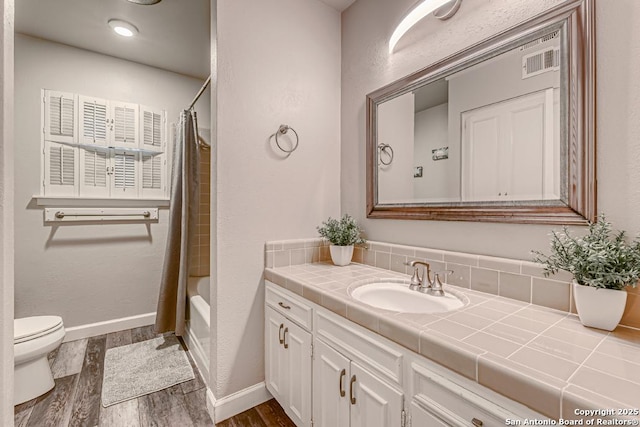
{"x": 145, "y": 2}
{"x": 540, "y": 40}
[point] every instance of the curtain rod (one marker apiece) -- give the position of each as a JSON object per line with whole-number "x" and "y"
{"x": 204, "y": 86}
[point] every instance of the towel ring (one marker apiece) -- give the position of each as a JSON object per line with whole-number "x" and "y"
{"x": 282, "y": 130}
{"x": 386, "y": 149}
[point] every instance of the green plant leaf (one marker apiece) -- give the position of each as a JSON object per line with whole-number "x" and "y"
{"x": 342, "y": 232}
{"x": 601, "y": 258}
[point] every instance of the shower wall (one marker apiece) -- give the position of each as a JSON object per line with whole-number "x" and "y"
{"x": 201, "y": 244}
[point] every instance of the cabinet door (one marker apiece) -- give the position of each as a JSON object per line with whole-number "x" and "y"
{"x": 297, "y": 349}
{"x": 275, "y": 367}
{"x": 373, "y": 402}
{"x": 330, "y": 387}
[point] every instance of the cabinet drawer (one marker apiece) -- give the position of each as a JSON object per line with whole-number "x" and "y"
{"x": 454, "y": 404}
{"x": 291, "y": 307}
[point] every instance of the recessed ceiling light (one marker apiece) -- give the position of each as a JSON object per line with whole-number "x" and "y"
{"x": 123, "y": 28}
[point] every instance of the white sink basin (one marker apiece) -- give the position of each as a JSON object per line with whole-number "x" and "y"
{"x": 398, "y": 297}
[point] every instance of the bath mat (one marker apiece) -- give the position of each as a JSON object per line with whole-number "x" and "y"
{"x": 137, "y": 369}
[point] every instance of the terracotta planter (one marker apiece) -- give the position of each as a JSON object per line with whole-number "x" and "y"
{"x": 599, "y": 308}
{"x": 341, "y": 255}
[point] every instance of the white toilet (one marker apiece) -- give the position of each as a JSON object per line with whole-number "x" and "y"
{"x": 33, "y": 338}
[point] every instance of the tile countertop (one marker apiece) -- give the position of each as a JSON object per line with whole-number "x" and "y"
{"x": 537, "y": 356}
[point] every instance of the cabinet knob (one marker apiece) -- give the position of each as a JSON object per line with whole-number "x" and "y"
{"x": 477, "y": 423}
{"x": 353, "y": 399}
{"x": 286, "y": 307}
{"x": 280, "y": 333}
{"x": 341, "y": 386}
{"x": 284, "y": 338}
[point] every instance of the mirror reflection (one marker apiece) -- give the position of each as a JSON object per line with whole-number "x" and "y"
{"x": 488, "y": 133}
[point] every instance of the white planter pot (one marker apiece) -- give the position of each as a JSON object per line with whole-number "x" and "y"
{"x": 341, "y": 255}
{"x": 599, "y": 308}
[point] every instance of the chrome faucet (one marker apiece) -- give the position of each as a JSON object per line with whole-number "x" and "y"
{"x": 425, "y": 284}
{"x": 418, "y": 283}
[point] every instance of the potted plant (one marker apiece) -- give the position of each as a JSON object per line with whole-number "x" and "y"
{"x": 343, "y": 234}
{"x": 603, "y": 263}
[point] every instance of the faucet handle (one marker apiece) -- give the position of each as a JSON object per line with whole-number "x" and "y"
{"x": 444, "y": 273}
{"x": 416, "y": 280}
{"x": 436, "y": 287}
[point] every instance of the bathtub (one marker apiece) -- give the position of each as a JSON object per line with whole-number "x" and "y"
{"x": 198, "y": 335}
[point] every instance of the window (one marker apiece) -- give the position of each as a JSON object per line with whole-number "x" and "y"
{"x": 98, "y": 148}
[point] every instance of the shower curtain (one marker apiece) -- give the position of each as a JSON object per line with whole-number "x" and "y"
{"x": 170, "y": 316}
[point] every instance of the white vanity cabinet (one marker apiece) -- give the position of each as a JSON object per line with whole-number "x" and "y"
{"x": 347, "y": 395}
{"x": 352, "y": 377}
{"x": 288, "y": 355}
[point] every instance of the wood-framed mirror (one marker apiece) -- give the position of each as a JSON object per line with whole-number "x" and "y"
{"x": 503, "y": 131}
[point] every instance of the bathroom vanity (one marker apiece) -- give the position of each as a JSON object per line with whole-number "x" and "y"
{"x": 327, "y": 371}
{"x": 334, "y": 361}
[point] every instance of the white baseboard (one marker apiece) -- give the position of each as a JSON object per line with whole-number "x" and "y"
{"x": 115, "y": 325}
{"x": 211, "y": 405}
{"x": 228, "y": 406}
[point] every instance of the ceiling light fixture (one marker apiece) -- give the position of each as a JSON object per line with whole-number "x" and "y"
{"x": 123, "y": 28}
{"x": 145, "y": 2}
{"x": 441, "y": 9}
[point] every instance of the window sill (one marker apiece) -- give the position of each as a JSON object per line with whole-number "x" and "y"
{"x": 90, "y": 202}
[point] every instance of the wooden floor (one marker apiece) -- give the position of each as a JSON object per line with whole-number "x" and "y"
{"x": 77, "y": 368}
{"x": 268, "y": 414}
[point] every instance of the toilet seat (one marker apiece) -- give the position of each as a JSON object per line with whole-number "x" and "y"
{"x": 30, "y": 328}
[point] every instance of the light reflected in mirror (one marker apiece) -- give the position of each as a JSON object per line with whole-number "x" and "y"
{"x": 488, "y": 133}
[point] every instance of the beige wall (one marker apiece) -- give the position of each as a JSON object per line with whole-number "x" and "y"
{"x": 278, "y": 62}
{"x": 6, "y": 212}
{"x": 85, "y": 273}
{"x": 366, "y": 66}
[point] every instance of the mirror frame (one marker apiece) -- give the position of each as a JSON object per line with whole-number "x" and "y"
{"x": 580, "y": 118}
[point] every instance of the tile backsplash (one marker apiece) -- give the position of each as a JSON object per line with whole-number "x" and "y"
{"x": 516, "y": 279}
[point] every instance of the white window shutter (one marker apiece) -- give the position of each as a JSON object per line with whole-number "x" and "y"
{"x": 125, "y": 174}
{"x": 94, "y": 147}
{"x": 60, "y": 116}
{"x": 60, "y": 177}
{"x": 153, "y": 175}
{"x": 124, "y": 124}
{"x": 153, "y": 129}
{"x": 93, "y": 120}
{"x": 94, "y": 172}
